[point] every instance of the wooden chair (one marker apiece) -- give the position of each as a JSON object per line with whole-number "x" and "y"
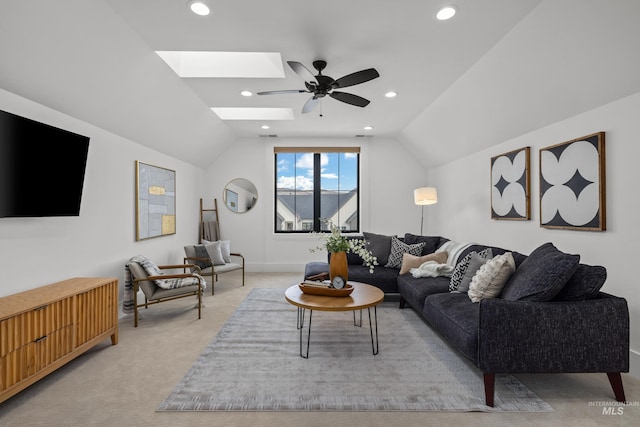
{"x": 179, "y": 285}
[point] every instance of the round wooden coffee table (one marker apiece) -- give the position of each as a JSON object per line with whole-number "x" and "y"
{"x": 363, "y": 296}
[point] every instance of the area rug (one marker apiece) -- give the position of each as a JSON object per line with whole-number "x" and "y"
{"x": 254, "y": 364}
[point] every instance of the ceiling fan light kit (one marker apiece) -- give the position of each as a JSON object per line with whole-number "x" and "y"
{"x": 321, "y": 85}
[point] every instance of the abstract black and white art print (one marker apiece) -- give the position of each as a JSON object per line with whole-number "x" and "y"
{"x": 572, "y": 184}
{"x": 510, "y": 185}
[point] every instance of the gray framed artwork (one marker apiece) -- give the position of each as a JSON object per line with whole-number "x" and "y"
{"x": 572, "y": 184}
{"x": 155, "y": 201}
{"x": 510, "y": 185}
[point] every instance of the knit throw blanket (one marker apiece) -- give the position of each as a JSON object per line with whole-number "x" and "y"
{"x": 433, "y": 269}
{"x": 152, "y": 270}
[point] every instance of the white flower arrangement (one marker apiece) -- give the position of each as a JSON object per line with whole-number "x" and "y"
{"x": 335, "y": 241}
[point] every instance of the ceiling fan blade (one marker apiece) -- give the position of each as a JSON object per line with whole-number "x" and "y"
{"x": 310, "y": 105}
{"x": 350, "y": 98}
{"x": 356, "y": 78}
{"x": 278, "y": 92}
{"x": 302, "y": 71}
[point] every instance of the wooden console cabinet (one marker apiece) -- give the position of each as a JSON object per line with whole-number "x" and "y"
{"x": 42, "y": 329}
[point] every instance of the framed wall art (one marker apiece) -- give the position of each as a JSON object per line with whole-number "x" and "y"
{"x": 510, "y": 185}
{"x": 155, "y": 201}
{"x": 572, "y": 184}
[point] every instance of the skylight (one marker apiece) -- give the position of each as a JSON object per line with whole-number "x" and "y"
{"x": 236, "y": 113}
{"x": 224, "y": 64}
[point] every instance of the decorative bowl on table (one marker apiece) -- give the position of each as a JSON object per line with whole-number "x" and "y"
{"x": 312, "y": 289}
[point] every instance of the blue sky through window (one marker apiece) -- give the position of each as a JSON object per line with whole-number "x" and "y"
{"x": 338, "y": 171}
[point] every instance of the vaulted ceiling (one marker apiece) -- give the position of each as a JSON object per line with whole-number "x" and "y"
{"x": 498, "y": 69}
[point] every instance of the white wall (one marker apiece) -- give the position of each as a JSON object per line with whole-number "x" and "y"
{"x": 463, "y": 210}
{"x": 388, "y": 176}
{"x": 38, "y": 251}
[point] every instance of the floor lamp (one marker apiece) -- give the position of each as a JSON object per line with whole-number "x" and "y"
{"x": 424, "y": 196}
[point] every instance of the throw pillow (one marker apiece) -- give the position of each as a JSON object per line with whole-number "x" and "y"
{"x": 584, "y": 284}
{"x": 399, "y": 248}
{"x": 215, "y": 252}
{"x": 379, "y": 245}
{"x": 431, "y": 242}
{"x": 461, "y": 268}
{"x": 411, "y": 261}
{"x": 225, "y": 248}
{"x": 201, "y": 252}
{"x": 475, "y": 263}
{"x": 542, "y": 275}
{"x": 491, "y": 278}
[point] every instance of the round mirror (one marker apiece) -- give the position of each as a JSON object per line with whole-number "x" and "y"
{"x": 240, "y": 195}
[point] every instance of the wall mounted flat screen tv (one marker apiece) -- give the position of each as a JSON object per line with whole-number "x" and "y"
{"x": 42, "y": 168}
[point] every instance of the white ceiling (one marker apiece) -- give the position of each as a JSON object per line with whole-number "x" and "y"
{"x": 415, "y": 55}
{"x": 499, "y": 69}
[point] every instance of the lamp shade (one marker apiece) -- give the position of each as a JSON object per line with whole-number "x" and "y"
{"x": 425, "y": 196}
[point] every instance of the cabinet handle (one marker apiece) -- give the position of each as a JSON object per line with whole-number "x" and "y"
{"x": 41, "y": 339}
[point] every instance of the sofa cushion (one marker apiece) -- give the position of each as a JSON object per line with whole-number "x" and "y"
{"x": 584, "y": 284}
{"x": 431, "y": 243}
{"x": 456, "y": 318}
{"x": 415, "y": 290}
{"x": 542, "y": 275}
{"x": 411, "y": 261}
{"x": 379, "y": 245}
{"x": 398, "y": 248}
{"x": 491, "y": 277}
{"x": 384, "y": 278}
{"x": 461, "y": 268}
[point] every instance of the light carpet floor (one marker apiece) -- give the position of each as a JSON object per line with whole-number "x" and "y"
{"x": 123, "y": 385}
{"x": 254, "y": 364}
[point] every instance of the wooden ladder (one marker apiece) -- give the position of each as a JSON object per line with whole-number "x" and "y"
{"x": 214, "y": 216}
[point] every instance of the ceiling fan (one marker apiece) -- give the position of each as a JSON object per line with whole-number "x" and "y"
{"x": 322, "y": 85}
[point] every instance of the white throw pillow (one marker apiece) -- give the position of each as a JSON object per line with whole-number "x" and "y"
{"x": 225, "y": 247}
{"x": 215, "y": 252}
{"x": 491, "y": 277}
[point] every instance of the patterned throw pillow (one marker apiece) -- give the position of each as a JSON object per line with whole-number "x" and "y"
{"x": 461, "y": 268}
{"x": 399, "y": 248}
{"x": 491, "y": 278}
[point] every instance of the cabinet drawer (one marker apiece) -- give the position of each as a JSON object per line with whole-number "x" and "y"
{"x": 34, "y": 356}
{"x": 27, "y": 327}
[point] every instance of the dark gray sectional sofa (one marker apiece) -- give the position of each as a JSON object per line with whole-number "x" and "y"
{"x": 550, "y": 317}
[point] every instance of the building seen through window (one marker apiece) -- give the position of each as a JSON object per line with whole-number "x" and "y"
{"x": 316, "y": 183}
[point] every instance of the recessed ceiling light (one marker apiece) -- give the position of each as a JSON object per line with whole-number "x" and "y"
{"x": 199, "y": 7}
{"x": 391, "y": 94}
{"x": 246, "y": 93}
{"x": 368, "y": 128}
{"x": 264, "y": 127}
{"x": 445, "y": 13}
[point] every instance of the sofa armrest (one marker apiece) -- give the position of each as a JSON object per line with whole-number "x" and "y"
{"x": 563, "y": 336}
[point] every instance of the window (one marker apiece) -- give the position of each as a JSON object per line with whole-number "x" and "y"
{"x": 314, "y": 183}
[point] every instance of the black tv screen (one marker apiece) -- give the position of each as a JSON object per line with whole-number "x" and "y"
{"x": 42, "y": 168}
